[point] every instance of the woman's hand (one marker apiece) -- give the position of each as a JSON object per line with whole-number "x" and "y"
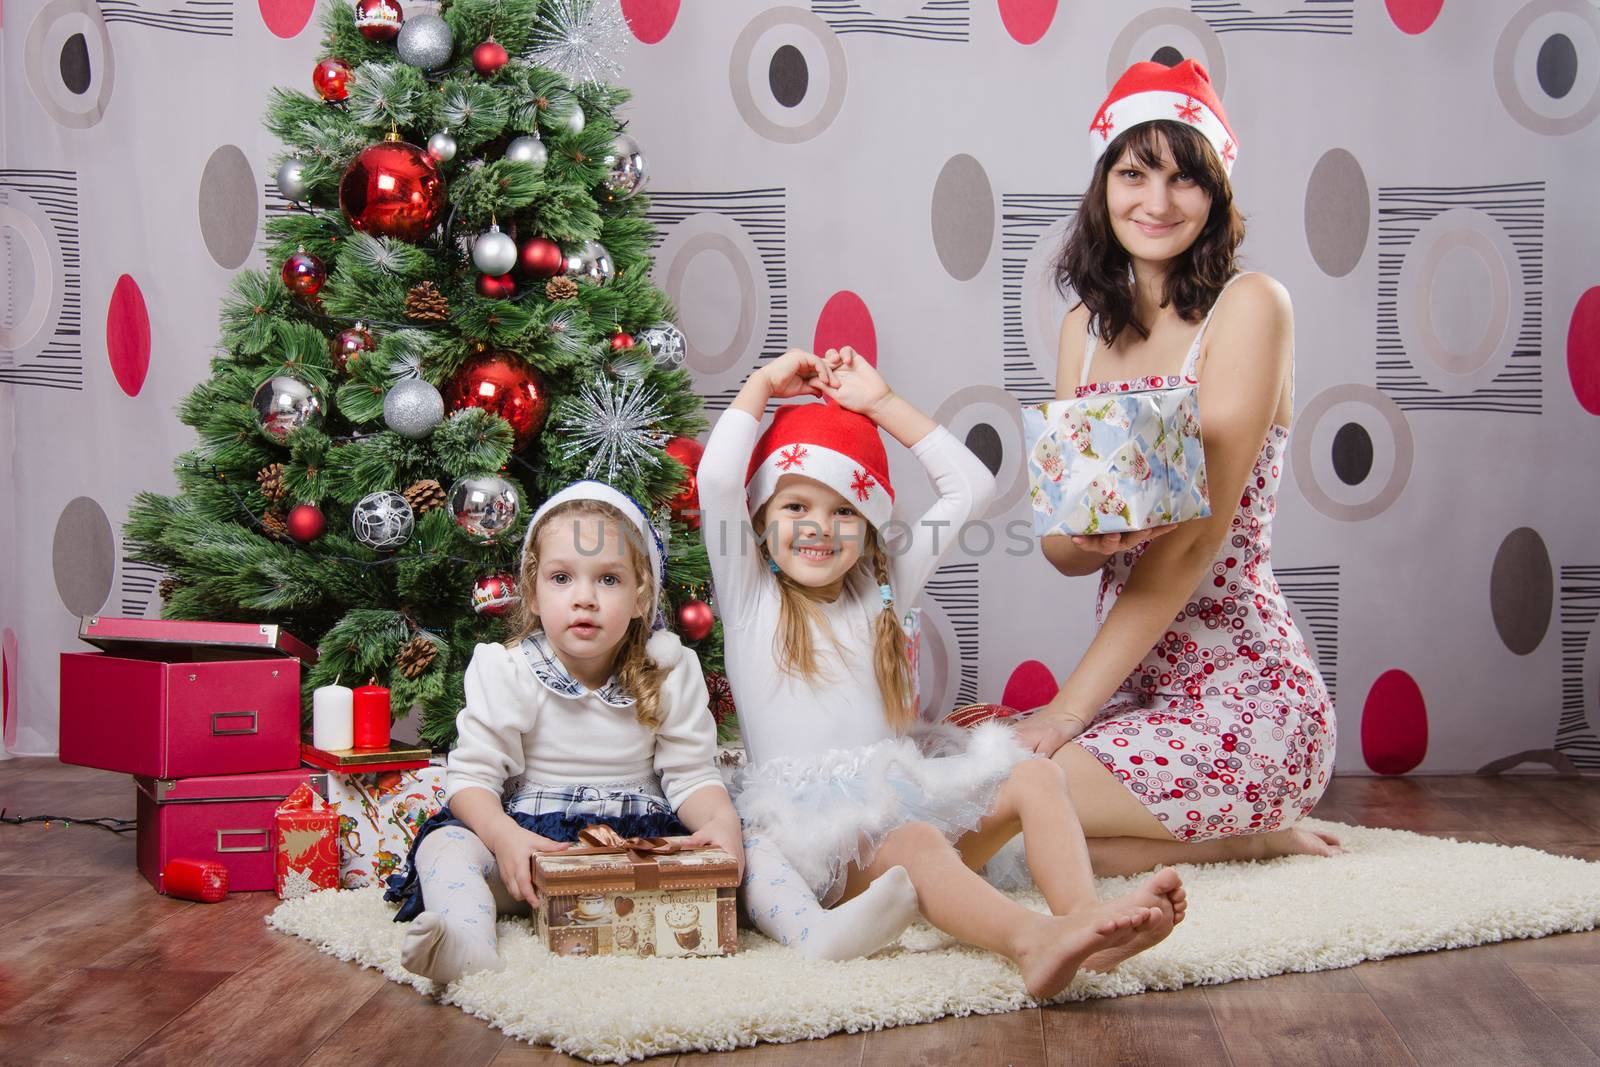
{"x": 1112, "y": 543}
{"x": 724, "y": 832}
{"x": 514, "y": 850}
{"x": 860, "y": 388}
{"x": 1044, "y": 733}
{"x": 798, "y": 373}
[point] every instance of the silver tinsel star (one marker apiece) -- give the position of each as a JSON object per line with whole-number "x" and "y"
{"x": 582, "y": 39}
{"x": 613, "y": 423}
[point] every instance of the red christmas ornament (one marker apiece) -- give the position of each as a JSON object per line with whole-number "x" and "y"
{"x": 502, "y": 288}
{"x": 305, "y": 523}
{"x": 502, "y": 384}
{"x": 541, "y": 258}
{"x": 304, "y": 274}
{"x": 332, "y": 79}
{"x": 695, "y": 620}
{"x": 379, "y": 20}
{"x": 621, "y": 341}
{"x": 393, "y": 189}
{"x": 349, "y": 345}
{"x": 494, "y": 594}
{"x": 489, "y": 57}
{"x": 686, "y": 504}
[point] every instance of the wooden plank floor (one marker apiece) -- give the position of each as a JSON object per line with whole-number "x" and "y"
{"x": 96, "y": 968}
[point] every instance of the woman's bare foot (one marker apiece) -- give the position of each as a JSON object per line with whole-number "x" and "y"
{"x": 1164, "y": 894}
{"x": 1296, "y": 842}
{"x": 1051, "y": 954}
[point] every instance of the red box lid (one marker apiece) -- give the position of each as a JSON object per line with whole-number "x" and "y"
{"x": 165, "y": 637}
{"x": 262, "y": 785}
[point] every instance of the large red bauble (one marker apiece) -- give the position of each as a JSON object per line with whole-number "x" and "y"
{"x": 621, "y": 342}
{"x": 695, "y": 620}
{"x": 502, "y": 287}
{"x": 494, "y": 594}
{"x": 349, "y": 345}
{"x": 332, "y": 79}
{"x": 305, "y": 523}
{"x": 393, "y": 189}
{"x": 541, "y": 258}
{"x": 489, "y": 57}
{"x": 686, "y": 504}
{"x": 501, "y": 383}
{"x": 304, "y": 274}
{"x": 379, "y": 20}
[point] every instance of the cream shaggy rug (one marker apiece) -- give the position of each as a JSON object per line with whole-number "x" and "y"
{"x": 1394, "y": 893}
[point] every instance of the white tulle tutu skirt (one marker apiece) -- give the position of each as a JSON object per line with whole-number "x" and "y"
{"x": 830, "y": 812}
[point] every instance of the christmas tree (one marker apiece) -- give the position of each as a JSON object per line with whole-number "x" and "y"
{"x": 456, "y": 322}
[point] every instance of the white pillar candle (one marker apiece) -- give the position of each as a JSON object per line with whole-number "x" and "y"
{"x": 333, "y": 718}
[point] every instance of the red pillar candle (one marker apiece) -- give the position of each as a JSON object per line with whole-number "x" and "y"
{"x": 202, "y": 880}
{"x": 372, "y": 716}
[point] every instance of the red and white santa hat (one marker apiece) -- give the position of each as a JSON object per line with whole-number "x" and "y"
{"x": 828, "y": 444}
{"x": 1147, "y": 92}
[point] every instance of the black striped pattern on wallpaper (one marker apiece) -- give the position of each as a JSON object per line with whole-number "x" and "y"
{"x": 1327, "y": 17}
{"x": 937, "y": 20}
{"x": 59, "y": 363}
{"x": 205, "y": 18}
{"x": 1580, "y": 608}
{"x": 1024, "y": 217}
{"x": 954, "y": 587}
{"x": 1313, "y": 594}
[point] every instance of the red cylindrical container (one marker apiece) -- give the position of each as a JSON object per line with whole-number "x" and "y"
{"x": 202, "y": 880}
{"x": 372, "y": 716}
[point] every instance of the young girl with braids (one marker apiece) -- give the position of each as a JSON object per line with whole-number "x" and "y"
{"x": 845, "y": 799}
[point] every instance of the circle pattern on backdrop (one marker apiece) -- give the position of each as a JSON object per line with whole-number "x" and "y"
{"x": 937, "y": 682}
{"x": 1027, "y": 20}
{"x": 1338, "y": 215}
{"x": 1160, "y": 33}
{"x": 1413, "y": 16}
{"x": 8, "y": 697}
{"x": 1522, "y": 590}
{"x": 989, "y": 421}
{"x": 650, "y": 20}
{"x": 703, "y": 260}
{"x": 228, "y": 205}
{"x": 1547, "y": 66}
{"x": 820, "y": 72}
{"x": 1461, "y": 295}
{"x": 69, "y": 62}
{"x": 963, "y": 217}
{"x": 1394, "y": 724}
{"x": 845, "y": 320}
{"x": 286, "y": 18}
{"x": 128, "y": 335}
{"x": 1031, "y": 685}
{"x": 1583, "y": 350}
{"x": 1316, "y": 469}
{"x": 83, "y": 555}
{"x": 37, "y": 262}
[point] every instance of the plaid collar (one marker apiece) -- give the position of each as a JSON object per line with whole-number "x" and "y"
{"x": 554, "y": 676}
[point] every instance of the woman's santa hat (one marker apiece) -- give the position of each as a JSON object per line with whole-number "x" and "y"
{"x": 828, "y": 444}
{"x": 1148, "y": 92}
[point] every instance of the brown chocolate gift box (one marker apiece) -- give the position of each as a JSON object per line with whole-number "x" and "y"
{"x": 639, "y": 896}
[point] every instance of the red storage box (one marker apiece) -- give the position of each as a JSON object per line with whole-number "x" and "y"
{"x": 227, "y": 818}
{"x": 174, "y": 699}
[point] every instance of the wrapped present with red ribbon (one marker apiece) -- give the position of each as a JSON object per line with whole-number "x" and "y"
{"x": 637, "y": 896}
{"x": 307, "y": 833}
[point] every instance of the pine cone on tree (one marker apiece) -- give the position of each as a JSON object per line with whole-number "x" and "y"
{"x": 270, "y": 478}
{"x": 424, "y": 301}
{"x": 424, "y": 496}
{"x": 273, "y": 526}
{"x": 416, "y": 657}
{"x": 560, "y": 288}
{"x": 168, "y": 586}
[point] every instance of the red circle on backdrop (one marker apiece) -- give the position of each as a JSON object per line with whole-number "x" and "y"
{"x": 1583, "y": 350}
{"x": 1413, "y": 16}
{"x": 650, "y": 20}
{"x": 1394, "y": 724}
{"x": 1027, "y": 20}
{"x": 286, "y": 18}
{"x": 1029, "y": 686}
{"x": 128, "y": 335}
{"x": 8, "y": 718}
{"x": 845, "y": 320}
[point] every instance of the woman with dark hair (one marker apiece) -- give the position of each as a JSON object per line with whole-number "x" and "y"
{"x": 1196, "y": 727}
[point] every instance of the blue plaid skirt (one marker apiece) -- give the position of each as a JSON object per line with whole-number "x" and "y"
{"x": 559, "y": 812}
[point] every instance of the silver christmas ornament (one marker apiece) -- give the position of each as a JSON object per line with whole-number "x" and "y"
{"x": 575, "y": 119}
{"x": 666, "y": 342}
{"x": 382, "y": 520}
{"x": 494, "y": 253}
{"x": 285, "y": 403}
{"x": 412, "y": 408}
{"x": 591, "y": 263}
{"x": 424, "y": 42}
{"x": 624, "y": 168}
{"x": 291, "y": 179}
{"x": 484, "y": 505}
{"x": 527, "y": 149}
{"x": 442, "y": 146}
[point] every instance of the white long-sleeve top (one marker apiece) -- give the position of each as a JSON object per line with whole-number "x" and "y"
{"x": 527, "y": 717}
{"x": 781, "y": 714}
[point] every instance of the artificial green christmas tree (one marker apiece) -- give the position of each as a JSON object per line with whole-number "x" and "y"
{"x": 458, "y": 320}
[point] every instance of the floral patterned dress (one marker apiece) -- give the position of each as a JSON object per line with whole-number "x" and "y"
{"x": 1225, "y": 727}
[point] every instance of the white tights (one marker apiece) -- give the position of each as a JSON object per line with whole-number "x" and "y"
{"x": 783, "y": 907}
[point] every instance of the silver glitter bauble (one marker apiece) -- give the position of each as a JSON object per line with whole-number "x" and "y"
{"x": 666, "y": 342}
{"x": 285, "y": 403}
{"x": 424, "y": 42}
{"x": 382, "y": 520}
{"x": 494, "y": 253}
{"x": 528, "y": 149}
{"x": 624, "y": 168}
{"x": 563, "y": 112}
{"x": 484, "y": 505}
{"x": 412, "y": 408}
{"x": 591, "y": 263}
{"x": 291, "y": 179}
{"x": 576, "y": 121}
{"x": 442, "y": 146}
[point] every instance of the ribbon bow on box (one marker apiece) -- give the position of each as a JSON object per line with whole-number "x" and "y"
{"x": 599, "y": 839}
